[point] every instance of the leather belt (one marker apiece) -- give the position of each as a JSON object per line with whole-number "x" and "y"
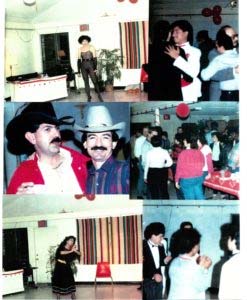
{"x": 61, "y": 261}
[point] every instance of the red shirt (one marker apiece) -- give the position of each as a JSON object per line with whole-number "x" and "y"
{"x": 28, "y": 171}
{"x": 190, "y": 164}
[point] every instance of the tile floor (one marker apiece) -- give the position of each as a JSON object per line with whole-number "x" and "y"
{"x": 84, "y": 291}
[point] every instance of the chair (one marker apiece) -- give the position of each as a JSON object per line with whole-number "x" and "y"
{"x": 103, "y": 270}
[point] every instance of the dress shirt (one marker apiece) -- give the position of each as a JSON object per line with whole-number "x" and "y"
{"x": 216, "y": 151}
{"x": 138, "y": 146}
{"x": 191, "y": 66}
{"x": 146, "y": 146}
{"x": 157, "y": 158}
{"x": 155, "y": 253}
{"x": 111, "y": 178}
{"x": 61, "y": 179}
{"x": 230, "y": 279}
{"x": 228, "y": 59}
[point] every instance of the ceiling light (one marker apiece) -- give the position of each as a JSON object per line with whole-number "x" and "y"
{"x": 29, "y": 2}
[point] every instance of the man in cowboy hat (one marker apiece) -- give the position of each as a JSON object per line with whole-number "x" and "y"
{"x": 106, "y": 175}
{"x": 52, "y": 168}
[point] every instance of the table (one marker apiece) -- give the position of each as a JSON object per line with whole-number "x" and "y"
{"x": 39, "y": 89}
{"x": 12, "y": 282}
{"x": 228, "y": 184}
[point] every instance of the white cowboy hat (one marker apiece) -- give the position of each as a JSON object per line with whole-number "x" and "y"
{"x": 98, "y": 119}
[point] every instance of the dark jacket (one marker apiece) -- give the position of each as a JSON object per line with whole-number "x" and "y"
{"x": 149, "y": 268}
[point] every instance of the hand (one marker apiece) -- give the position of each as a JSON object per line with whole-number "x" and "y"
{"x": 177, "y": 185}
{"x": 208, "y": 176}
{"x": 205, "y": 261}
{"x": 172, "y": 52}
{"x": 167, "y": 259}
{"x": 74, "y": 248}
{"x": 26, "y": 188}
{"x": 237, "y": 70}
{"x": 157, "y": 278}
{"x": 145, "y": 180}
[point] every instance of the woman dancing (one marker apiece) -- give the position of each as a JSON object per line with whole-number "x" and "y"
{"x": 63, "y": 282}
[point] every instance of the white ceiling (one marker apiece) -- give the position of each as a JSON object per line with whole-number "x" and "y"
{"x": 17, "y": 11}
{"x": 206, "y": 108}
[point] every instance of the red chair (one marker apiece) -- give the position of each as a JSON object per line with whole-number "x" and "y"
{"x": 103, "y": 270}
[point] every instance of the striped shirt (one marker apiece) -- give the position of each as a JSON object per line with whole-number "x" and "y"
{"x": 111, "y": 178}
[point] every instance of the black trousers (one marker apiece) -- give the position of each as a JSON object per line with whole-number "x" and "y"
{"x": 87, "y": 70}
{"x": 157, "y": 183}
{"x": 229, "y": 96}
{"x": 152, "y": 290}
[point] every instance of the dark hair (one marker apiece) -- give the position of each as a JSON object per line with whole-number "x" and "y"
{"x": 224, "y": 40}
{"x": 158, "y": 129}
{"x": 156, "y": 141}
{"x": 187, "y": 239}
{"x": 234, "y": 235}
{"x": 115, "y": 136}
{"x": 184, "y": 26}
{"x": 63, "y": 243}
{"x": 155, "y": 228}
{"x": 164, "y": 133}
{"x": 192, "y": 140}
{"x": 202, "y": 139}
{"x": 185, "y": 223}
{"x": 84, "y": 37}
{"x": 217, "y": 134}
{"x": 214, "y": 125}
{"x": 160, "y": 31}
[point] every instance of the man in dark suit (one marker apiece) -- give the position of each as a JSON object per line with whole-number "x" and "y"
{"x": 153, "y": 258}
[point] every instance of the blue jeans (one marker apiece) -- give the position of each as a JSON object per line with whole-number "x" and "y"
{"x": 192, "y": 188}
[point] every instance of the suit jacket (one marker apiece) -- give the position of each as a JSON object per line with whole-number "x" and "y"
{"x": 149, "y": 268}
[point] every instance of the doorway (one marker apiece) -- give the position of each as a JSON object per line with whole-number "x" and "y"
{"x": 15, "y": 249}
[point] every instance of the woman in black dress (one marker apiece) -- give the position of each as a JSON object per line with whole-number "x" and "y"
{"x": 87, "y": 65}
{"x": 63, "y": 282}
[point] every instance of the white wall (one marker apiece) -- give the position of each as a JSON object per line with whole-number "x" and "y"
{"x": 206, "y": 216}
{"x": 171, "y": 125}
{"x": 26, "y": 56}
{"x": 25, "y": 212}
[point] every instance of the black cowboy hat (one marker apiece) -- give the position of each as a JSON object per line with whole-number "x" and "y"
{"x": 29, "y": 119}
{"x": 84, "y": 37}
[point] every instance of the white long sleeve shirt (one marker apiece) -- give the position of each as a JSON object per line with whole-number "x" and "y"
{"x": 191, "y": 66}
{"x": 228, "y": 59}
{"x": 157, "y": 158}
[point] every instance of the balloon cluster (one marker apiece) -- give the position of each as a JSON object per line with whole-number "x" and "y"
{"x": 131, "y": 1}
{"x": 214, "y": 12}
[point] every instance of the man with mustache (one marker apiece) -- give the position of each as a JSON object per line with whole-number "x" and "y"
{"x": 100, "y": 136}
{"x": 51, "y": 168}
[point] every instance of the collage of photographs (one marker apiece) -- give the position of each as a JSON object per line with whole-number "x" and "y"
{"x": 121, "y": 156}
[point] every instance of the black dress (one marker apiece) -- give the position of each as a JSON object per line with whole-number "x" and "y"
{"x": 164, "y": 77}
{"x": 63, "y": 282}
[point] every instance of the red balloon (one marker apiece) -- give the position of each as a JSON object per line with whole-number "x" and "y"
{"x": 217, "y": 20}
{"x": 207, "y": 12}
{"x": 120, "y": 0}
{"x": 133, "y": 1}
{"x": 217, "y": 10}
{"x": 183, "y": 110}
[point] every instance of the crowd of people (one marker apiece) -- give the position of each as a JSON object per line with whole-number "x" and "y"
{"x": 188, "y": 161}
{"x": 178, "y": 70}
{"x": 186, "y": 269}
